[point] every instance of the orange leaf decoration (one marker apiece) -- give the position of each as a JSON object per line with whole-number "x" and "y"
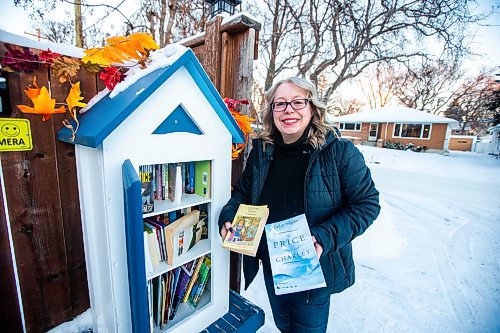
{"x": 96, "y": 56}
{"x": 120, "y": 49}
{"x": 128, "y": 47}
{"x": 74, "y": 98}
{"x": 42, "y": 104}
{"x": 32, "y": 92}
{"x": 244, "y": 123}
{"x": 145, "y": 40}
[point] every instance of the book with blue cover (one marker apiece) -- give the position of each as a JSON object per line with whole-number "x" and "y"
{"x": 294, "y": 263}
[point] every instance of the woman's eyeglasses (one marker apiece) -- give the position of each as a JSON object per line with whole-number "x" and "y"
{"x": 296, "y": 104}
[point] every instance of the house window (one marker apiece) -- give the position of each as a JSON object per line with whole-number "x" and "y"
{"x": 417, "y": 131}
{"x": 350, "y": 126}
{"x": 427, "y": 131}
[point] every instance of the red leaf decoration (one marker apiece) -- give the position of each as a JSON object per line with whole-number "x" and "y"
{"x": 48, "y": 56}
{"x": 24, "y": 60}
{"x": 111, "y": 76}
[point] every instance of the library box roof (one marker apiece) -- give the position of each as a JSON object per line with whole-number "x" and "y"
{"x": 109, "y": 110}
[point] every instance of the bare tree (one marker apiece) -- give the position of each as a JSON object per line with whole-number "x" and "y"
{"x": 165, "y": 20}
{"x": 171, "y": 20}
{"x": 343, "y": 38}
{"x": 341, "y": 106}
{"x": 475, "y": 104}
{"x": 429, "y": 85}
{"x": 378, "y": 84}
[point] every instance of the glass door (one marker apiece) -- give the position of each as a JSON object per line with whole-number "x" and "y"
{"x": 373, "y": 134}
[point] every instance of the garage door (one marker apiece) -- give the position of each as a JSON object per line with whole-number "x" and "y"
{"x": 460, "y": 144}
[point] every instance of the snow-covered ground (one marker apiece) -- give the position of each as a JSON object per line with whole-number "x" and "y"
{"x": 430, "y": 262}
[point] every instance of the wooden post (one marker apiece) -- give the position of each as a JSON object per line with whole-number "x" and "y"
{"x": 226, "y": 52}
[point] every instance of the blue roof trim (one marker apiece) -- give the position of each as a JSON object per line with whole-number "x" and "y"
{"x": 178, "y": 121}
{"x": 107, "y": 114}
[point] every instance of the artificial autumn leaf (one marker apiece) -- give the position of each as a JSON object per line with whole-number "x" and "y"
{"x": 65, "y": 68}
{"x": 121, "y": 49}
{"x": 111, "y": 76}
{"x": 73, "y": 101}
{"x": 127, "y": 46}
{"x": 24, "y": 61}
{"x": 96, "y": 56}
{"x": 48, "y": 56}
{"x": 74, "y": 98}
{"x": 236, "y": 150}
{"x": 145, "y": 40}
{"x": 243, "y": 122}
{"x": 92, "y": 68}
{"x": 42, "y": 104}
{"x": 32, "y": 92}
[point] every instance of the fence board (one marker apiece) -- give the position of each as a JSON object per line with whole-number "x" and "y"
{"x": 70, "y": 203}
{"x": 10, "y": 314}
{"x": 31, "y": 186}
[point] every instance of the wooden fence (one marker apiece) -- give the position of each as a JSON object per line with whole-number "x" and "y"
{"x": 39, "y": 203}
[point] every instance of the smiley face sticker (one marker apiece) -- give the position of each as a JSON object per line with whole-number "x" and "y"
{"x": 10, "y": 130}
{"x": 15, "y": 134}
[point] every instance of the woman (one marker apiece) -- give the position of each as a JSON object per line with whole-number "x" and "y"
{"x": 300, "y": 165}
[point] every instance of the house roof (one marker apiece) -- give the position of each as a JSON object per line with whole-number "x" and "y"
{"x": 110, "y": 111}
{"x": 394, "y": 114}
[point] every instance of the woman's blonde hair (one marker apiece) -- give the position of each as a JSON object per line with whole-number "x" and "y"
{"x": 318, "y": 127}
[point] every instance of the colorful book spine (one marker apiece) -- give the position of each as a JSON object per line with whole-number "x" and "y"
{"x": 204, "y": 275}
{"x": 193, "y": 279}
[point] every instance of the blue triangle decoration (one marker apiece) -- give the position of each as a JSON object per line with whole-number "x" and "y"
{"x": 178, "y": 121}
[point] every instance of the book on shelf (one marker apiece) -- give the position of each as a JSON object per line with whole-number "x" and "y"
{"x": 153, "y": 249}
{"x": 294, "y": 263}
{"x": 193, "y": 279}
{"x": 189, "y": 180}
{"x": 200, "y": 283}
{"x": 181, "y": 288}
{"x": 147, "y": 192}
{"x": 248, "y": 226}
{"x": 158, "y": 229}
{"x": 179, "y": 234}
{"x": 147, "y": 255}
{"x": 202, "y": 175}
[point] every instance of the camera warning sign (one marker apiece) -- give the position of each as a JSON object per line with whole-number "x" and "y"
{"x": 15, "y": 134}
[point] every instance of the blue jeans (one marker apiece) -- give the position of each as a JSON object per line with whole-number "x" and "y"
{"x": 294, "y": 314}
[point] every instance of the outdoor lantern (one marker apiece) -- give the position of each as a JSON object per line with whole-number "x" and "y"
{"x": 4, "y": 96}
{"x": 220, "y": 6}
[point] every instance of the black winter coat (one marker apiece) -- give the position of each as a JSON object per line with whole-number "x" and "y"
{"x": 340, "y": 202}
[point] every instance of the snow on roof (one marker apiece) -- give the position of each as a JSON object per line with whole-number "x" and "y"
{"x": 234, "y": 17}
{"x": 394, "y": 114}
{"x": 158, "y": 59}
{"x": 68, "y": 50}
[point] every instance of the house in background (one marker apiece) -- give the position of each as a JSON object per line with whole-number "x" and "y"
{"x": 397, "y": 124}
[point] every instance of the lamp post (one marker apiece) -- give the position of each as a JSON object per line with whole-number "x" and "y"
{"x": 222, "y": 6}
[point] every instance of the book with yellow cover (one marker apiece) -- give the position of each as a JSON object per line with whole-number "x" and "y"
{"x": 247, "y": 228}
